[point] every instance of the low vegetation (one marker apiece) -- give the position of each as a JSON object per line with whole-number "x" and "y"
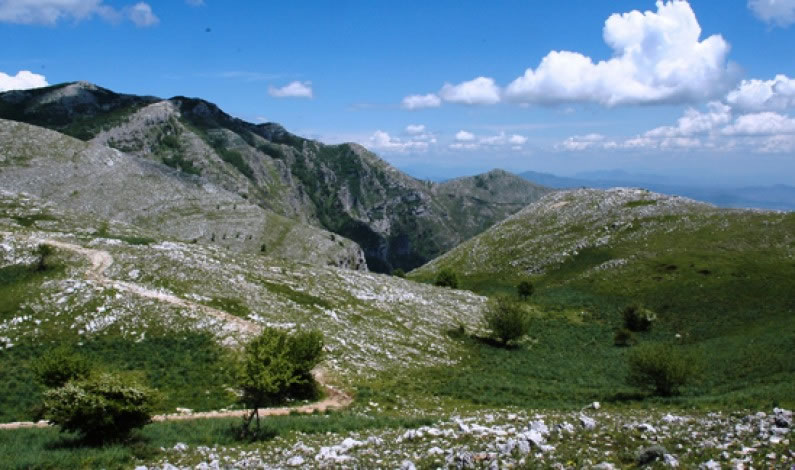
{"x": 661, "y": 368}
{"x": 506, "y": 320}
{"x": 101, "y": 407}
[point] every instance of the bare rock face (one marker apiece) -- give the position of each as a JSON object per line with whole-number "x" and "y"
{"x": 399, "y": 221}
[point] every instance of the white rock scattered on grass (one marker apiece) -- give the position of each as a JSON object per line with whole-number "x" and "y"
{"x": 181, "y": 447}
{"x": 710, "y": 465}
{"x": 670, "y": 461}
{"x": 295, "y": 461}
{"x": 435, "y": 451}
{"x": 604, "y": 466}
{"x": 587, "y": 423}
{"x": 407, "y": 465}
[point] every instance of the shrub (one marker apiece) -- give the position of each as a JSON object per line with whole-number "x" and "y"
{"x": 506, "y": 320}
{"x": 637, "y": 318}
{"x": 660, "y": 368}
{"x": 272, "y": 364}
{"x": 623, "y": 338}
{"x": 43, "y": 252}
{"x": 398, "y": 272}
{"x": 525, "y": 289}
{"x": 59, "y": 366}
{"x": 446, "y": 278}
{"x": 101, "y": 408}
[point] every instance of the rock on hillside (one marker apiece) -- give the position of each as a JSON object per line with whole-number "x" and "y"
{"x": 399, "y": 221}
{"x": 90, "y": 178}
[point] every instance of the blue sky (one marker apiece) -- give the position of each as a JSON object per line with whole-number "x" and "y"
{"x": 702, "y": 91}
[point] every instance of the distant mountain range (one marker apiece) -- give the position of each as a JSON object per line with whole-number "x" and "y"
{"x": 778, "y": 197}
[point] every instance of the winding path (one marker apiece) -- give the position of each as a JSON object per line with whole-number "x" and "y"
{"x": 101, "y": 260}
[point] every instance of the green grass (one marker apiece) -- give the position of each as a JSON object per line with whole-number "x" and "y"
{"x": 47, "y": 449}
{"x": 301, "y": 298}
{"x": 230, "y": 305}
{"x": 188, "y": 369}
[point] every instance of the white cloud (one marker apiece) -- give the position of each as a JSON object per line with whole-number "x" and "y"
{"x": 381, "y": 140}
{"x": 778, "y": 12}
{"x": 581, "y": 142}
{"x": 464, "y": 136}
{"x": 658, "y": 58}
{"x": 294, "y": 89}
{"x": 23, "y": 80}
{"x": 141, "y": 15}
{"x": 421, "y": 101}
{"x": 415, "y": 129}
{"x": 464, "y": 146}
{"x": 763, "y": 95}
{"x": 695, "y": 122}
{"x": 764, "y": 123}
{"x": 516, "y": 139}
{"x": 481, "y": 90}
{"x": 50, "y": 12}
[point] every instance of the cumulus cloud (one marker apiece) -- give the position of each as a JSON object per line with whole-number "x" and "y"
{"x": 414, "y": 129}
{"x": 764, "y": 123}
{"x": 421, "y": 101}
{"x": 464, "y": 136}
{"x": 657, "y": 58}
{"x": 778, "y": 12}
{"x": 581, "y": 142}
{"x": 50, "y": 12}
{"x": 481, "y": 90}
{"x": 381, "y": 140}
{"x": 23, "y": 80}
{"x": 695, "y": 122}
{"x": 141, "y": 15}
{"x": 777, "y": 94}
{"x": 294, "y": 89}
{"x": 516, "y": 139}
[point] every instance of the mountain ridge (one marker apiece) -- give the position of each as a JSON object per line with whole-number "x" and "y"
{"x": 399, "y": 221}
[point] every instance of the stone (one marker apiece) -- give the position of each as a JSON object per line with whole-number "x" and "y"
{"x": 604, "y": 466}
{"x": 295, "y": 461}
{"x": 670, "y": 461}
{"x": 650, "y": 454}
{"x": 587, "y": 423}
{"x": 181, "y": 447}
{"x": 709, "y": 465}
{"x": 407, "y": 465}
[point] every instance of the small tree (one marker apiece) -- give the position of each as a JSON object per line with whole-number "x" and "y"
{"x": 57, "y": 367}
{"x": 525, "y": 289}
{"x": 101, "y": 408}
{"x": 446, "y": 278}
{"x": 660, "y": 368}
{"x": 506, "y": 320}
{"x": 271, "y": 364}
{"x": 43, "y": 252}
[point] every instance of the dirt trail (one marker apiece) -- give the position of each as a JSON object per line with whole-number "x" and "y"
{"x": 101, "y": 260}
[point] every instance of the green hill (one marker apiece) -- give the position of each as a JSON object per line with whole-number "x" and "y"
{"x": 721, "y": 283}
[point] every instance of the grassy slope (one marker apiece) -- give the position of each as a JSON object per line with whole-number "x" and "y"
{"x": 722, "y": 280}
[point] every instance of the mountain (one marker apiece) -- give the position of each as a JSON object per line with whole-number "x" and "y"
{"x": 777, "y": 197}
{"x": 108, "y": 185}
{"x": 398, "y": 220}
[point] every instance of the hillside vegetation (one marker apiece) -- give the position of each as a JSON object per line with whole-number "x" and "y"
{"x": 721, "y": 283}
